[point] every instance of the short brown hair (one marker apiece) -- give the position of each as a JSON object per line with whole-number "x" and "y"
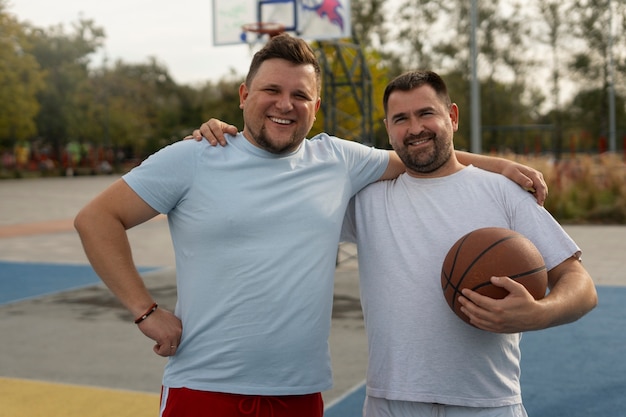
{"x": 289, "y": 48}
{"x": 414, "y": 79}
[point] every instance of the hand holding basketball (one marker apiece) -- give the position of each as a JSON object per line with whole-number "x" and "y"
{"x": 517, "y": 312}
{"x": 492, "y": 252}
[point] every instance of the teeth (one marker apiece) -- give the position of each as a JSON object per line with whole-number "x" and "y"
{"x": 280, "y": 121}
{"x": 417, "y": 142}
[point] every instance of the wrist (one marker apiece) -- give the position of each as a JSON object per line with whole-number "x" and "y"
{"x": 147, "y": 313}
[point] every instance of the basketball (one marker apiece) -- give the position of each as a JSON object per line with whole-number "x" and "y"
{"x": 491, "y": 252}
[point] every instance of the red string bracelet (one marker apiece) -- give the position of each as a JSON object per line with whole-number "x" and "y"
{"x": 145, "y": 315}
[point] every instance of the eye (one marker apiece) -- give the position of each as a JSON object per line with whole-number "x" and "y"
{"x": 302, "y": 97}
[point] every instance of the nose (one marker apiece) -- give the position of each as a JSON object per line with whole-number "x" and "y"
{"x": 283, "y": 103}
{"x": 415, "y": 126}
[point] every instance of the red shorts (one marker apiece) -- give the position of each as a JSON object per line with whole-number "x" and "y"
{"x": 184, "y": 402}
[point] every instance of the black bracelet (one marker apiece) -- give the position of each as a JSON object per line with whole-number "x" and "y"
{"x": 145, "y": 315}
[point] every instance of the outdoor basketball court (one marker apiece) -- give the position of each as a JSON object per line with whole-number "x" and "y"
{"x": 69, "y": 349}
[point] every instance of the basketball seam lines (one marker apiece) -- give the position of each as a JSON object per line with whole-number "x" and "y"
{"x": 469, "y": 267}
{"x": 515, "y": 277}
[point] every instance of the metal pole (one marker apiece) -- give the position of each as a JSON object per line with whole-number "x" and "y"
{"x": 476, "y": 140}
{"x": 611, "y": 87}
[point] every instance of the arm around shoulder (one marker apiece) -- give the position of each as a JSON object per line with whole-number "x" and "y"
{"x": 395, "y": 167}
{"x": 526, "y": 177}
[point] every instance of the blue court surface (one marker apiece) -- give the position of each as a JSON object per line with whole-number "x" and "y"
{"x": 24, "y": 280}
{"x": 576, "y": 370}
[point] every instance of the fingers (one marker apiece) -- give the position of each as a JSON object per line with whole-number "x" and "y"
{"x": 197, "y": 135}
{"x": 213, "y": 132}
{"x": 540, "y": 192}
{"x": 166, "y": 349}
{"x": 512, "y": 286}
{"x": 511, "y": 314}
{"x": 215, "y": 129}
{"x": 482, "y": 312}
{"x": 539, "y": 187}
{"x": 165, "y": 329}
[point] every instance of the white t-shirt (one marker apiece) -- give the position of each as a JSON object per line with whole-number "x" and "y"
{"x": 418, "y": 349}
{"x": 255, "y": 236}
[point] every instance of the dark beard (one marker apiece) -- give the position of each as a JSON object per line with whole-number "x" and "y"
{"x": 263, "y": 141}
{"x": 425, "y": 163}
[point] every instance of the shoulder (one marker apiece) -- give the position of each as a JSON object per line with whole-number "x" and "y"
{"x": 379, "y": 189}
{"x": 180, "y": 147}
{"x": 173, "y": 158}
{"x": 481, "y": 176}
{"x": 326, "y": 140}
{"x": 346, "y": 148}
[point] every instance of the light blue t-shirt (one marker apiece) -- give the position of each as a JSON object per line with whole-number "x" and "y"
{"x": 255, "y": 236}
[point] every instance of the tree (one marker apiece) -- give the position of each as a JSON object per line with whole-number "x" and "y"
{"x": 369, "y": 22}
{"x": 133, "y": 106}
{"x": 221, "y": 100}
{"x": 591, "y": 65}
{"x": 65, "y": 58}
{"x": 21, "y": 78}
{"x": 556, "y": 15}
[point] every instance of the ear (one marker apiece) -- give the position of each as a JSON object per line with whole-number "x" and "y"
{"x": 454, "y": 117}
{"x": 243, "y": 94}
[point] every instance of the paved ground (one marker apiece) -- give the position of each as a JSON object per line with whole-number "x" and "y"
{"x": 59, "y": 345}
{"x": 84, "y": 337}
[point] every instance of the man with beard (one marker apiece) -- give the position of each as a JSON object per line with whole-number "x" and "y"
{"x": 424, "y": 360}
{"x": 249, "y": 335}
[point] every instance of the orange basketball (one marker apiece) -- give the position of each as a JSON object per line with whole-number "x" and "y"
{"x": 488, "y": 252}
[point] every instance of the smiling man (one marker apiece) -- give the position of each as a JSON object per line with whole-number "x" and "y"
{"x": 424, "y": 360}
{"x": 255, "y": 227}
{"x": 279, "y": 101}
{"x": 255, "y": 283}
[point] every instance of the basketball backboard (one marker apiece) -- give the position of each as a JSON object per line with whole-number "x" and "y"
{"x": 308, "y": 19}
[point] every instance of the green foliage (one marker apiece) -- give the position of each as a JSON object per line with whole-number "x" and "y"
{"x": 64, "y": 57}
{"x": 221, "y": 101}
{"x": 349, "y": 77}
{"x": 583, "y": 188}
{"x": 21, "y": 78}
{"x": 51, "y": 92}
{"x": 368, "y": 17}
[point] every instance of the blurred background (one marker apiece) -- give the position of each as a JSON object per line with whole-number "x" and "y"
{"x": 541, "y": 81}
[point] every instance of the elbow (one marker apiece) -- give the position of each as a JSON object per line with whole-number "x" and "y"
{"x": 593, "y": 299}
{"x": 589, "y": 302}
{"x": 81, "y": 221}
{"x": 78, "y": 222}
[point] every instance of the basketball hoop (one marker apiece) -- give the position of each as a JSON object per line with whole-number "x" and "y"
{"x": 264, "y": 28}
{"x": 260, "y": 29}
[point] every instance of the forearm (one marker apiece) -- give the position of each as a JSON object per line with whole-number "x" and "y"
{"x": 395, "y": 167}
{"x": 107, "y": 247}
{"x": 488, "y": 163}
{"x": 570, "y": 298}
{"x": 526, "y": 177}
